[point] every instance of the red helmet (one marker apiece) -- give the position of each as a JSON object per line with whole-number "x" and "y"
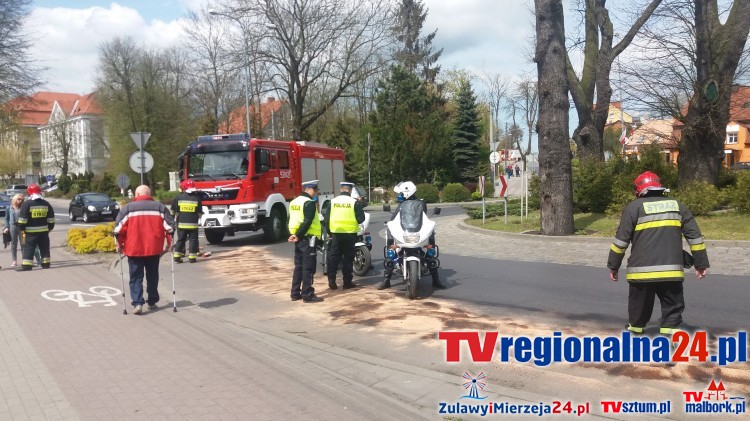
{"x": 188, "y": 186}
{"x": 647, "y": 181}
{"x": 34, "y": 189}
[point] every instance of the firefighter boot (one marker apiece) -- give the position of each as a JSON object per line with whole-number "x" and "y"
{"x": 386, "y": 282}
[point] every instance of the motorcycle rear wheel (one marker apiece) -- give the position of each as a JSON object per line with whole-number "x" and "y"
{"x": 412, "y": 278}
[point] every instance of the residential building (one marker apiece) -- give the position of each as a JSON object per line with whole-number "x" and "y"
{"x": 616, "y": 114}
{"x": 737, "y": 142}
{"x": 51, "y": 125}
{"x": 658, "y": 132}
{"x": 74, "y": 137}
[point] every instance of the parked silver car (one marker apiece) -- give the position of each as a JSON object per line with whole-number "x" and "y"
{"x": 14, "y": 189}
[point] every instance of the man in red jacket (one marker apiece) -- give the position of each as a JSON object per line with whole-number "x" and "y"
{"x": 141, "y": 228}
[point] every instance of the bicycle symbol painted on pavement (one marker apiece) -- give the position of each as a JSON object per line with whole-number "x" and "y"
{"x": 96, "y": 295}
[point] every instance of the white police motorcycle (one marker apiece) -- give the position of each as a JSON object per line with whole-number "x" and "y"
{"x": 362, "y": 255}
{"x": 410, "y": 252}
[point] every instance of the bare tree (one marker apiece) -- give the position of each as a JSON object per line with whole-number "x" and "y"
{"x": 495, "y": 93}
{"x": 556, "y": 187}
{"x": 18, "y": 72}
{"x": 60, "y": 146}
{"x": 323, "y": 45}
{"x": 525, "y": 101}
{"x": 688, "y": 64}
{"x": 599, "y": 53}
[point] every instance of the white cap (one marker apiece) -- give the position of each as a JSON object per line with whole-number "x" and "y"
{"x": 310, "y": 184}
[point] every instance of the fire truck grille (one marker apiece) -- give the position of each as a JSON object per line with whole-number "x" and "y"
{"x": 210, "y": 196}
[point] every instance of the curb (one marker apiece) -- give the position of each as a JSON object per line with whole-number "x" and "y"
{"x": 581, "y": 239}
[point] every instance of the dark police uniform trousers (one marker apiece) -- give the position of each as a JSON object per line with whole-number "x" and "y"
{"x": 305, "y": 260}
{"x": 341, "y": 252}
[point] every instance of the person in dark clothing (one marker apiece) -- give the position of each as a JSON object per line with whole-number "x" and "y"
{"x": 36, "y": 219}
{"x": 187, "y": 208}
{"x": 304, "y": 224}
{"x": 342, "y": 222}
{"x": 407, "y": 190}
{"x": 655, "y": 225}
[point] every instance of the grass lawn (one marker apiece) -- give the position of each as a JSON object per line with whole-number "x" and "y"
{"x": 720, "y": 226}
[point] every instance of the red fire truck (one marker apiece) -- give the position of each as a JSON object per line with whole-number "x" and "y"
{"x": 247, "y": 183}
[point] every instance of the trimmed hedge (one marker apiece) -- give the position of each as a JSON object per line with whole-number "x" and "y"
{"x": 428, "y": 192}
{"x": 456, "y": 192}
{"x": 98, "y": 239}
{"x": 740, "y": 198}
{"x": 700, "y": 197}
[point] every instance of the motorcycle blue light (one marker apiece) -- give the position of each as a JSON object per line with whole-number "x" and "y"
{"x": 391, "y": 254}
{"x": 431, "y": 252}
{"x": 368, "y": 239}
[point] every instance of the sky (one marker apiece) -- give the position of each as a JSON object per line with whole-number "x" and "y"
{"x": 484, "y": 36}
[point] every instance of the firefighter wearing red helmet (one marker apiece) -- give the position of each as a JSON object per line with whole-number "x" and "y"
{"x": 187, "y": 208}
{"x": 654, "y": 224}
{"x": 36, "y": 219}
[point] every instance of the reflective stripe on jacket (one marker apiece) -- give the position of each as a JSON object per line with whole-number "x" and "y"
{"x": 655, "y": 224}
{"x": 297, "y": 216}
{"x": 342, "y": 219}
{"x": 188, "y": 208}
{"x": 35, "y": 216}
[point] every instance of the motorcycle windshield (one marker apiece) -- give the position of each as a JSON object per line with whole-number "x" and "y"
{"x": 411, "y": 215}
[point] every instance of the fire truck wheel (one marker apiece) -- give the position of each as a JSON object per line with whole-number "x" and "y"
{"x": 214, "y": 237}
{"x": 274, "y": 227}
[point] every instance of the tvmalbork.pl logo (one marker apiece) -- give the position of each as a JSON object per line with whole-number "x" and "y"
{"x": 714, "y": 400}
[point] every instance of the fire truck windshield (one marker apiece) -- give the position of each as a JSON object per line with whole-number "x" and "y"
{"x": 218, "y": 165}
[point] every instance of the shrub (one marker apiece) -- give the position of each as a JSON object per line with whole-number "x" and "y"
{"x": 476, "y": 195}
{"x": 494, "y": 209}
{"x": 535, "y": 198}
{"x": 166, "y": 196}
{"x": 63, "y": 183}
{"x": 592, "y": 186}
{"x": 740, "y": 198}
{"x": 455, "y": 192}
{"x": 428, "y": 192}
{"x": 90, "y": 240}
{"x": 700, "y": 197}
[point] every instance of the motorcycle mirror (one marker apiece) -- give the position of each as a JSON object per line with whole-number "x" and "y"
{"x": 386, "y": 207}
{"x": 436, "y": 211}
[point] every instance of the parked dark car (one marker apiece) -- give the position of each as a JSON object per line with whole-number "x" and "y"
{"x": 4, "y": 203}
{"x": 741, "y": 166}
{"x": 92, "y": 206}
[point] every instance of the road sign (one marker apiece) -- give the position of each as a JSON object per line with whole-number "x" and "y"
{"x": 504, "y": 187}
{"x": 135, "y": 162}
{"x": 123, "y": 181}
{"x": 481, "y": 184}
{"x": 494, "y": 158}
{"x": 139, "y": 137}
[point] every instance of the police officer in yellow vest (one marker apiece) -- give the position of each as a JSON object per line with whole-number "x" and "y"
{"x": 343, "y": 223}
{"x": 304, "y": 224}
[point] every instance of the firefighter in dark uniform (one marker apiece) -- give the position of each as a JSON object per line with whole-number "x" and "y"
{"x": 408, "y": 191}
{"x": 655, "y": 224}
{"x": 187, "y": 208}
{"x": 304, "y": 224}
{"x": 342, "y": 223}
{"x": 36, "y": 219}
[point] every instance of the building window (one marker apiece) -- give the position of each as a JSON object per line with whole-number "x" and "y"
{"x": 731, "y": 138}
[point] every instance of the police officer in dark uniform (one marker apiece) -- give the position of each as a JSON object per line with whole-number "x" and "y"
{"x": 342, "y": 222}
{"x": 408, "y": 191}
{"x": 187, "y": 208}
{"x": 36, "y": 219}
{"x": 304, "y": 224}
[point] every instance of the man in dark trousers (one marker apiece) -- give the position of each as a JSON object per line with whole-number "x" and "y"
{"x": 343, "y": 223}
{"x": 187, "y": 208}
{"x": 304, "y": 224}
{"x": 141, "y": 229}
{"x": 655, "y": 224}
{"x": 36, "y": 219}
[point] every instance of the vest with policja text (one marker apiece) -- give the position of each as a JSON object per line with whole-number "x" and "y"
{"x": 297, "y": 215}
{"x": 342, "y": 219}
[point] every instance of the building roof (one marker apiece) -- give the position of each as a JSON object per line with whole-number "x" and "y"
{"x": 36, "y": 109}
{"x": 237, "y": 122}
{"x": 654, "y": 131}
{"x": 739, "y": 103}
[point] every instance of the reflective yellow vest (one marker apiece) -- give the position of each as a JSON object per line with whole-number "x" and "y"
{"x": 297, "y": 215}
{"x": 342, "y": 219}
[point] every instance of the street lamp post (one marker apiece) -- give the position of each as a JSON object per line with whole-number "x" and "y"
{"x": 247, "y": 67}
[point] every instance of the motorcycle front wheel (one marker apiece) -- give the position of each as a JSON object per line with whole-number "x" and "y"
{"x": 362, "y": 261}
{"x": 412, "y": 278}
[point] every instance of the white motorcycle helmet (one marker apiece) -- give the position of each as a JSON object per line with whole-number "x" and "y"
{"x": 408, "y": 189}
{"x": 355, "y": 194}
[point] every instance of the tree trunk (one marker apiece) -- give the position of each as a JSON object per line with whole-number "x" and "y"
{"x": 556, "y": 187}
{"x": 718, "y": 51}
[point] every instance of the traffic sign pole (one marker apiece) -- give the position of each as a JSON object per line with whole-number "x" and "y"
{"x": 142, "y": 159}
